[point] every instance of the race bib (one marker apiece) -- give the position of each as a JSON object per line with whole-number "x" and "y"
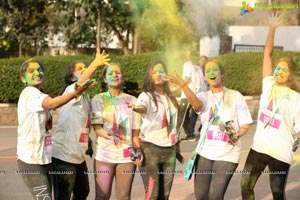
{"x": 268, "y": 120}
{"x": 47, "y": 140}
{"x": 214, "y": 133}
{"x": 84, "y": 135}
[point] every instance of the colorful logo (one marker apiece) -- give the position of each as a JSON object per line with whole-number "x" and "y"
{"x": 246, "y": 8}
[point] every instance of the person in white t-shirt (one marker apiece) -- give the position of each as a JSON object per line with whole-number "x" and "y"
{"x": 200, "y": 82}
{"x": 278, "y": 123}
{"x": 71, "y": 138}
{"x": 118, "y": 149}
{"x": 34, "y": 148}
{"x": 200, "y": 86}
{"x": 159, "y": 109}
{"x": 225, "y": 118}
{"x": 189, "y": 74}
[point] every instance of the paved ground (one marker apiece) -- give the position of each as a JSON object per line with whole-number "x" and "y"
{"x": 13, "y": 188}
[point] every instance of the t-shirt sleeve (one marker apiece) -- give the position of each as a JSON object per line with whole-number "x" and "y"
{"x": 267, "y": 84}
{"x": 202, "y": 97}
{"x": 35, "y": 100}
{"x": 144, "y": 100}
{"x": 136, "y": 118}
{"x": 97, "y": 110}
{"x": 243, "y": 113}
{"x": 69, "y": 89}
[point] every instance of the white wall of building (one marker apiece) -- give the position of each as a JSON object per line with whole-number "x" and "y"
{"x": 286, "y": 36}
{"x": 210, "y": 46}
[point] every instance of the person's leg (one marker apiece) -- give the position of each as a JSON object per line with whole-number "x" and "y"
{"x": 124, "y": 178}
{"x": 150, "y": 167}
{"x": 168, "y": 160}
{"x": 64, "y": 175}
{"x": 221, "y": 178}
{"x": 37, "y": 179}
{"x": 190, "y": 124}
{"x": 278, "y": 176}
{"x": 202, "y": 179}
{"x": 255, "y": 164}
{"x": 81, "y": 188}
{"x": 104, "y": 175}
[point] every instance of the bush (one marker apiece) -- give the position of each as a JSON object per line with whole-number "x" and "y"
{"x": 243, "y": 72}
{"x": 133, "y": 67}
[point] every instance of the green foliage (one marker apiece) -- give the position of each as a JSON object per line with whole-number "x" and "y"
{"x": 25, "y": 21}
{"x": 243, "y": 72}
{"x": 133, "y": 67}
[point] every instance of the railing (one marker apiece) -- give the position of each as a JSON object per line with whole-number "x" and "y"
{"x": 252, "y": 48}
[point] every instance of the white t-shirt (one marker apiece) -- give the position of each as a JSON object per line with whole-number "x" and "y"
{"x": 34, "y": 144}
{"x": 70, "y": 140}
{"x": 230, "y": 105}
{"x": 156, "y": 120}
{"x": 189, "y": 71}
{"x": 200, "y": 83}
{"x": 113, "y": 113}
{"x": 282, "y": 106}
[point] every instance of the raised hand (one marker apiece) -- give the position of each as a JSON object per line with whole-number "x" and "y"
{"x": 275, "y": 19}
{"x": 174, "y": 78}
{"x": 100, "y": 59}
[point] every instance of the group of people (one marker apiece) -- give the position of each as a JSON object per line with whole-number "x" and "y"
{"x": 142, "y": 132}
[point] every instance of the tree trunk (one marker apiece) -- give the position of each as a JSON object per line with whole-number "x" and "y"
{"x": 136, "y": 44}
{"x": 123, "y": 44}
{"x": 98, "y": 45}
{"x": 20, "y": 49}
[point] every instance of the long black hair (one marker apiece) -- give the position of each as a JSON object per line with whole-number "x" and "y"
{"x": 148, "y": 85}
{"x": 68, "y": 78}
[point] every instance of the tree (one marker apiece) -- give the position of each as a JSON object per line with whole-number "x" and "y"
{"x": 113, "y": 18}
{"x": 26, "y": 21}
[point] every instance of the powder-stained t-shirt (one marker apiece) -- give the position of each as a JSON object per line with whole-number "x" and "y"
{"x": 34, "y": 143}
{"x": 228, "y": 105}
{"x": 278, "y": 119}
{"x": 70, "y": 140}
{"x": 117, "y": 119}
{"x": 157, "y": 119}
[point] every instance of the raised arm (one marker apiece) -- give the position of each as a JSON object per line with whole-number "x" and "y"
{"x": 190, "y": 96}
{"x": 100, "y": 60}
{"x": 56, "y": 102}
{"x": 275, "y": 21}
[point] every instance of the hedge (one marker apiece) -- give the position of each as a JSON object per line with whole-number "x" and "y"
{"x": 243, "y": 72}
